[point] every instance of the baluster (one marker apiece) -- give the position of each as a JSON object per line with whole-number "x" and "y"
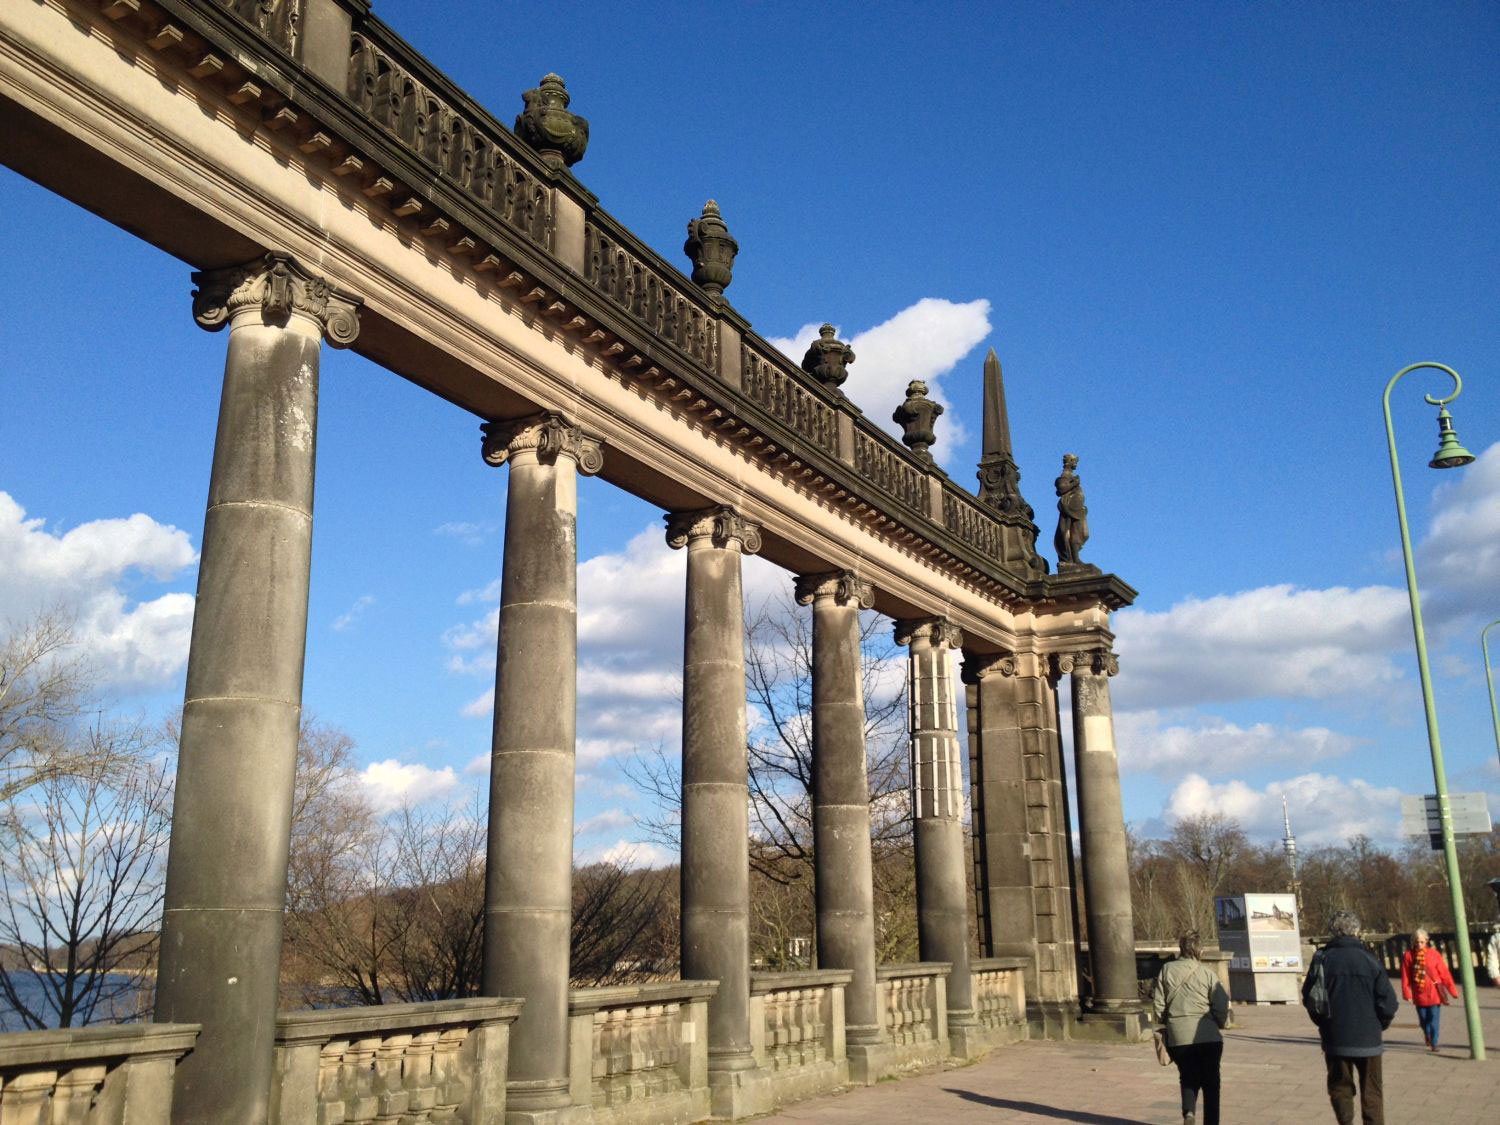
{"x": 359, "y": 1102}
{"x": 446, "y": 1072}
{"x": 23, "y": 1100}
{"x": 332, "y": 1083}
{"x": 390, "y": 1094}
{"x": 74, "y": 1094}
{"x": 418, "y": 1078}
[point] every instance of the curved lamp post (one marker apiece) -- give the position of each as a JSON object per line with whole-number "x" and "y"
{"x": 1450, "y": 455}
{"x": 1489, "y": 676}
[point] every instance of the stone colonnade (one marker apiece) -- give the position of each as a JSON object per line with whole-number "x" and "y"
{"x": 227, "y": 868}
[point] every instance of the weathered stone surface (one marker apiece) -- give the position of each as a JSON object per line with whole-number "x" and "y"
{"x": 711, "y": 249}
{"x": 828, "y": 358}
{"x": 560, "y": 136}
{"x": 916, "y": 417}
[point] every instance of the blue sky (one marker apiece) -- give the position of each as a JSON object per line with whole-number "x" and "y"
{"x": 1200, "y": 237}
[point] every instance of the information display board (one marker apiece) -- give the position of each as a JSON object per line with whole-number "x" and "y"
{"x": 1260, "y": 932}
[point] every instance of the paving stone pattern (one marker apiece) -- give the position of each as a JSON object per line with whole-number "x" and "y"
{"x": 1272, "y": 1074}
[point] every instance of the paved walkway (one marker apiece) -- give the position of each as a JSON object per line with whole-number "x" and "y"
{"x": 1272, "y": 1074}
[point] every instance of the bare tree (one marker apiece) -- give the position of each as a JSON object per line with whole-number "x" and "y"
{"x": 44, "y": 688}
{"x": 82, "y": 872}
{"x": 778, "y": 673}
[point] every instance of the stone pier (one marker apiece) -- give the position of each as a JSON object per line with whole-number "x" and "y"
{"x": 715, "y": 798}
{"x": 237, "y": 757}
{"x": 1114, "y": 1005}
{"x": 841, "y": 810}
{"x": 937, "y": 806}
{"x": 529, "y": 874}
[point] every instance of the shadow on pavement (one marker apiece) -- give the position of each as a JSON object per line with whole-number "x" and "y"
{"x": 1044, "y": 1110}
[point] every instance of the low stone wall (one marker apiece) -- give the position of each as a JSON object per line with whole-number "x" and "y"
{"x": 441, "y": 1061}
{"x": 999, "y": 989}
{"x": 797, "y": 1031}
{"x": 639, "y": 1053}
{"x": 92, "y": 1075}
{"x": 913, "y": 1003}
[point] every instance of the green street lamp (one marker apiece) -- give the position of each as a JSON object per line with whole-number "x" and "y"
{"x": 1489, "y": 676}
{"x": 1450, "y": 455}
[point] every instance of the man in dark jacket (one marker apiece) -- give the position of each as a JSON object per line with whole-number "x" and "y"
{"x": 1360, "y": 1004}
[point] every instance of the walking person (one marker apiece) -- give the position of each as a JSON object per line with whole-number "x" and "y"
{"x": 1350, "y": 998}
{"x": 1427, "y": 983}
{"x": 1191, "y": 1004}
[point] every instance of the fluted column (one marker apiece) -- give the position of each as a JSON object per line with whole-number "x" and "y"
{"x": 715, "y": 796}
{"x": 937, "y": 805}
{"x": 841, "y": 795}
{"x": 237, "y": 756}
{"x": 529, "y": 870}
{"x": 1101, "y": 831}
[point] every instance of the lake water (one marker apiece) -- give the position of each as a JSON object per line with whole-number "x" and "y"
{"x": 125, "y": 1006}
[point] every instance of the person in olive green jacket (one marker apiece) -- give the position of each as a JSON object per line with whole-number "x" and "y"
{"x": 1191, "y": 1004}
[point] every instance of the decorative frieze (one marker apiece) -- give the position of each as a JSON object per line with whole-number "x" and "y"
{"x": 644, "y": 293}
{"x": 765, "y": 382}
{"x": 474, "y": 159}
{"x": 280, "y": 21}
{"x": 279, "y": 286}
{"x": 549, "y": 433}
{"x": 720, "y": 523}
{"x": 891, "y": 473}
{"x": 844, "y": 586}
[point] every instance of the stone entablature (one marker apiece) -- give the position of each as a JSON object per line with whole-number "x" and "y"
{"x": 530, "y": 236}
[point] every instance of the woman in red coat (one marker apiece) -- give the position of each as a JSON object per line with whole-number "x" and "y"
{"x": 1425, "y": 980}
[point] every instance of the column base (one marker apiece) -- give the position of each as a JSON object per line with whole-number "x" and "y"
{"x": 970, "y": 1039}
{"x": 738, "y": 1091}
{"x": 872, "y": 1060}
{"x": 1051, "y": 1019}
{"x": 1118, "y": 1021}
{"x": 543, "y": 1103}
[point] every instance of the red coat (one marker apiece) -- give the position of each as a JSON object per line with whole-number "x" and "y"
{"x": 1439, "y": 979}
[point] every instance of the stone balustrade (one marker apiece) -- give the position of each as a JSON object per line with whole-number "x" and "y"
{"x": 444, "y": 1061}
{"x": 913, "y": 1001}
{"x": 797, "y": 1031}
{"x": 91, "y": 1075}
{"x": 639, "y": 1053}
{"x": 1000, "y": 998}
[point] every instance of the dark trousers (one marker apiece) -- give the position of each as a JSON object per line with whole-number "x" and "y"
{"x": 1341, "y": 1072}
{"x": 1198, "y": 1069}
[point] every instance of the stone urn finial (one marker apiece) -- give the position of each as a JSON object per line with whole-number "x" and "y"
{"x": 828, "y": 359}
{"x": 711, "y": 249}
{"x": 915, "y": 417}
{"x": 547, "y": 126}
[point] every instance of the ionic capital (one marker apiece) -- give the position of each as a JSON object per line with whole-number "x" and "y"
{"x": 721, "y": 523}
{"x": 938, "y": 630}
{"x": 277, "y": 285}
{"x": 1099, "y": 662}
{"x": 982, "y": 665}
{"x": 843, "y": 586}
{"x": 549, "y": 433}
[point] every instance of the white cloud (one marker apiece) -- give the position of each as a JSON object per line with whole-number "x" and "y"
{"x": 345, "y": 620}
{"x": 389, "y": 784}
{"x": 86, "y": 572}
{"x": 628, "y": 854}
{"x": 1324, "y": 809}
{"x": 469, "y": 534}
{"x": 1270, "y": 642}
{"x": 1459, "y": 559}
{"x": 610, "y": 820}
{"x": 1147, "y": 743}
{"x": 923, "y": 341}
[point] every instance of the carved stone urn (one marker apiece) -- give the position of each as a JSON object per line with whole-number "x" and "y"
{"x": 547, "y": 126}
{"x": 711, "y": 249}
{"x": 915, "y": 417}
{"x": 828, "y": 359}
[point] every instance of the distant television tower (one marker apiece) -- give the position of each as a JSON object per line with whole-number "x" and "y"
{"x": 1289, "y": 845}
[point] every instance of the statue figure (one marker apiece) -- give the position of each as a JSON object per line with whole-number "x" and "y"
{"x": 916, "y": 417}
{"x": 711, "y": 249}
{"x": 547, "y": 126}
{"x": 1072, "y": 516}
{"x": 828, "y": 359}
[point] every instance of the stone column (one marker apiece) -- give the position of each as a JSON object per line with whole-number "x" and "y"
{"x": 237, "y": 757}
{"x": 937, "y": 805}
{"x": 528, "y": 901}
{"x": 1101, "y": 825}
{"x": 841, "y": 805}
{"x": 715, "y": 797}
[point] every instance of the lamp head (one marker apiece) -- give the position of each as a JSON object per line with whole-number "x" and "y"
{"x": 1451, "y": 453}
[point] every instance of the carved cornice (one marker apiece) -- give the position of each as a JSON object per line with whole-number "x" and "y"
{"x": 844, "y": 586}
{"x": 279, "y": 286}
{"x": 721, "y": 523}
{"x": 939, "y": 630}
{"x": 549, "y": 433}
{"x": 1099, "y": 662}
